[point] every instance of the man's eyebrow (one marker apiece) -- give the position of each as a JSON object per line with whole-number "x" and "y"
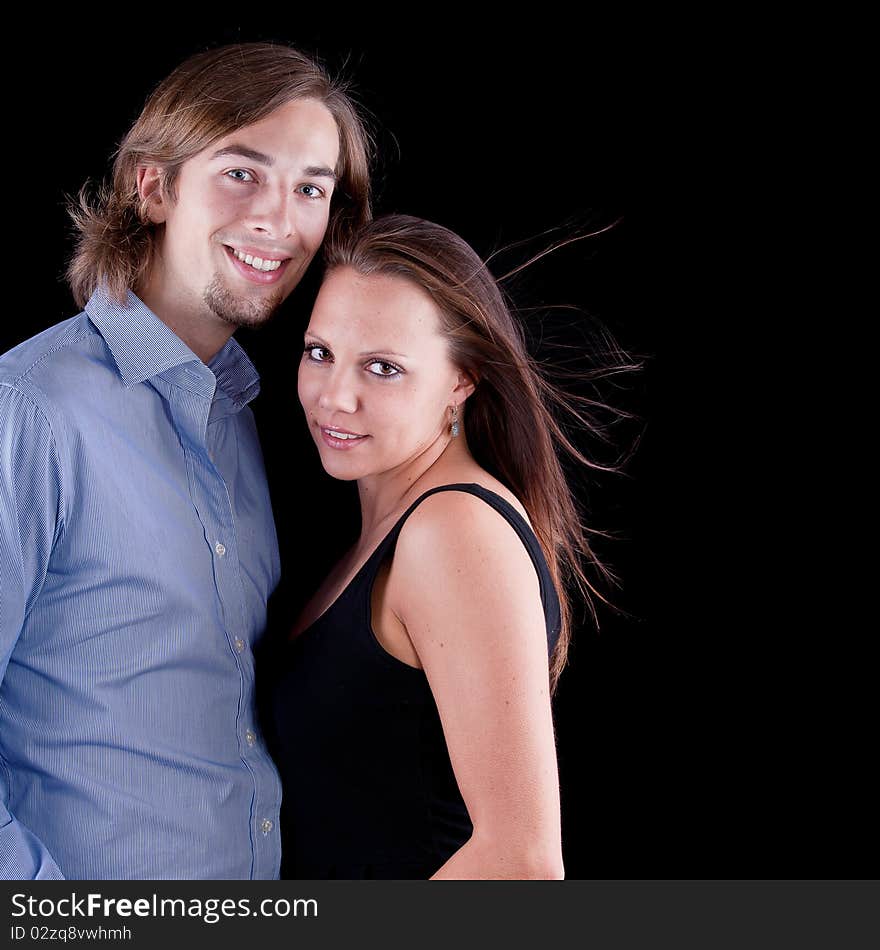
{"x": 320, "y": 171}
{"x": 243, "y": 151}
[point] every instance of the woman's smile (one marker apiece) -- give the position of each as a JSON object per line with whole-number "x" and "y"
{"x": 341, "y": 438}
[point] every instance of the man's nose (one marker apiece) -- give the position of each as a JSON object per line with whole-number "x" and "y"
{"x": 274, "y": 213}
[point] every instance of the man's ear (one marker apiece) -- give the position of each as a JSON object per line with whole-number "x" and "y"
{"x": 152, "y": 195}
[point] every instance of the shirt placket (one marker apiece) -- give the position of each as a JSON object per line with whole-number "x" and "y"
{"x": 212, "y": 502}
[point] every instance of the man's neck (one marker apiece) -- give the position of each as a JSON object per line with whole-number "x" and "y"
{"x": 191, "y": 320}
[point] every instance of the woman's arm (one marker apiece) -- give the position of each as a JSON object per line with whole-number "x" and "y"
{"x": 465, "y": 588}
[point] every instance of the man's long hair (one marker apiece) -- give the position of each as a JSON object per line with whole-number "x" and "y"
{"x": 209, "y": 96}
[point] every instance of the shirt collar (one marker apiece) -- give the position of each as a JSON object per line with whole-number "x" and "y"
{"x": 143, "y": 346}
{"x": 235, "y": 374}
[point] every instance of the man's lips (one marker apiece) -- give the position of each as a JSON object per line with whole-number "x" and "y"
{"x": 252, "y": 273}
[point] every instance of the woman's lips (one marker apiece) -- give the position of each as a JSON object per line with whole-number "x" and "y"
{"x": 341, "y": 438}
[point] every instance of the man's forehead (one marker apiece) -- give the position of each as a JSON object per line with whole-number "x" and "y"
{"x": 304, "y": 126}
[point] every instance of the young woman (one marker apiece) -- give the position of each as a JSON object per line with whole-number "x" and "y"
{"x": 413, "y": 710}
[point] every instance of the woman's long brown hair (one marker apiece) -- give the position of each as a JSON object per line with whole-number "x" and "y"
{"x": 512, "y": 419}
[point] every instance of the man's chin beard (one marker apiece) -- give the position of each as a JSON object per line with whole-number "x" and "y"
{"x": 240, "y": 311}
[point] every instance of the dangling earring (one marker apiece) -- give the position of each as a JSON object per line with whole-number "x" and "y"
{"x": 454, "y": 428}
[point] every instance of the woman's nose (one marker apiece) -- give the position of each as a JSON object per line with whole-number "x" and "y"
{"x": 338, "y": 394}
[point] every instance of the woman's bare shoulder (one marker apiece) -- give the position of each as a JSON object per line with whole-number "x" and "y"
{"x": 457, "y": 533}
{"x": 474, "y": 475}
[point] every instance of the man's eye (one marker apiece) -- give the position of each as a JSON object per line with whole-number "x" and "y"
{"x": 240, "y": 174}
{"x": 311, "y": 191}
{"x": 380, "y": 368}
{"x": 319, "y": 354}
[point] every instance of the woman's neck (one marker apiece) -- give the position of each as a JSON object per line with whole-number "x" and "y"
{"x": 383, "y": 495}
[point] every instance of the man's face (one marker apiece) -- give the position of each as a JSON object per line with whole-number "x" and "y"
{"x": 249, "y": 214}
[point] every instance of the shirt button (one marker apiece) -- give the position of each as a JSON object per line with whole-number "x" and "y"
{"x": 250, "y": 737}
{"x": 266, "y": 826}
{"x": 220, "y": 548}
{"x": 239, "y": 645}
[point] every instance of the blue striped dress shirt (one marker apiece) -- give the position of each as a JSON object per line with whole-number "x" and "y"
{"x": 137, "y": 553}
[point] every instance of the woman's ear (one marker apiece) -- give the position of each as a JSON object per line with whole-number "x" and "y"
{"x": 152, "y": 195}
{"x": 465, "y": 385}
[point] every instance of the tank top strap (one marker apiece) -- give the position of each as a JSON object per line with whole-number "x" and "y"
{"x": 549, "y": 596}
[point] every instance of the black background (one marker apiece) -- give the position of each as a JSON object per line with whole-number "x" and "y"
{"x": 525, "y": 131}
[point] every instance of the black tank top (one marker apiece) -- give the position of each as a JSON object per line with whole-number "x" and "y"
{"x": 368, "y": 788}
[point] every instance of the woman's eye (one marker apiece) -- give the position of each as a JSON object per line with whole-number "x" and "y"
{"x": 311, "y": 191}
{"x": 378, "y": 368}
{"x": 240, "y": 174}
{"x": 319, "y": 354}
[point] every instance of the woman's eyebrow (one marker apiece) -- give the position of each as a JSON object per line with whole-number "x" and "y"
{"x": 314, "y": 338}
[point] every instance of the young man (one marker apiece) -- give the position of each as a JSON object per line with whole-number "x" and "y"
{"x": 137, "y": 546}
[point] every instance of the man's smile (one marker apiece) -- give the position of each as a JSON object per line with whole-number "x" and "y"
{"x": 258, "y": 263}
{"x": 256, "y": 268}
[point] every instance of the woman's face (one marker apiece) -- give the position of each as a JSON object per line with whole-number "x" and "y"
{"x": 375, "y": 379}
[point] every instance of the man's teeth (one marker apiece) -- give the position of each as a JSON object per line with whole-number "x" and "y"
{"x": 342, "y": 435}
{"x": 256, "y": 262}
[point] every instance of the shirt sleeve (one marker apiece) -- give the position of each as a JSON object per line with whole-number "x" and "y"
{"x": 31, "y": 521}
